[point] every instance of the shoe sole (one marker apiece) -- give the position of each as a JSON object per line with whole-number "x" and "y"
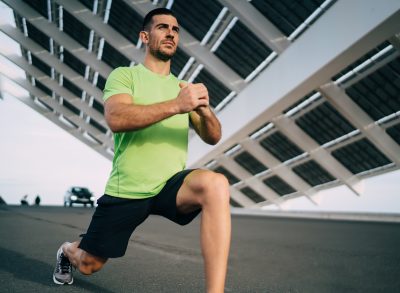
{"x": 61, "y": 283}
{"x": 54, "y": 277}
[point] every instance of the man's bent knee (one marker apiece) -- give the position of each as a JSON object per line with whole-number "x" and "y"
{"x": 216, "y": 188}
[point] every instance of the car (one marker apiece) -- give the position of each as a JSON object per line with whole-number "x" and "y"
{"x": 81, "y": 195}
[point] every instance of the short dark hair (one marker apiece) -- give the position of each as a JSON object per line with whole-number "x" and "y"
{"x": 149, "y": 16}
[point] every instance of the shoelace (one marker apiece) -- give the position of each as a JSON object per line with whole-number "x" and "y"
{"x": 64, "y": 265}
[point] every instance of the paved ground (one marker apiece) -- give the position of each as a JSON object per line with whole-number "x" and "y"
{"x": 267, "y": 255}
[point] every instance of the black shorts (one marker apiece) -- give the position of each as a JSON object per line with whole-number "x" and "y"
{"x": 115, "y": 219}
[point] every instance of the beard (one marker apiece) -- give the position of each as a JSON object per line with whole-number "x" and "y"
{"x": 161, "y": 55}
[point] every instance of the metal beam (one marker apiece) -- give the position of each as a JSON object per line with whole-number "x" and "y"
{"x": 240, "y": 198}
{"x": 268, "y": 33}
{"x": 352, "y": 112}
{"x": 279, "y": 169}
{"x": 58, "y": 108}
{"x": 96, "y": 23}
{"x": 53, "y": 118}
{"x": 239, "y": 171}
{"x": 288, "y": 127}
{"x": 51, "y": 30}
{"x": 52, "y": 61}
{"x": 192, "y": 47}
{"x": 305, "y": 65}
{"x": 55, "y": 87}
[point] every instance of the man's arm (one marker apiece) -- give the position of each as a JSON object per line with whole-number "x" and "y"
{"x": 124, "y": 115}
{"x": 206, "y": 124}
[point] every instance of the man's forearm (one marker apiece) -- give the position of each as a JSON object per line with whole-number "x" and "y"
{"x": 208, "y": 126}
{"x": 129, "y": 117}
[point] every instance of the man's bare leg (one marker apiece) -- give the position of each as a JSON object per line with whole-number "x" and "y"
{"x": 210, "y": 191}
{"x": 83, "y": 261}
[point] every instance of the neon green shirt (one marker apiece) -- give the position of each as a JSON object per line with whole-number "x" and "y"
{"x": 145, "y": 159}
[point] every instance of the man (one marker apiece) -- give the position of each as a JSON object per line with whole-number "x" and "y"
{"x": 148, "y": 109}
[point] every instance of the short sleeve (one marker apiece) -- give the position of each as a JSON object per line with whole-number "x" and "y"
{"x": 118, "y": 82}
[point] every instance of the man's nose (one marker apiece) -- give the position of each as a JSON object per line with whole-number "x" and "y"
{"x": 170, "y": 34}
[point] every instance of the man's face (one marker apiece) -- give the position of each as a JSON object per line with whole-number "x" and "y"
{"x": 163, "y": 37}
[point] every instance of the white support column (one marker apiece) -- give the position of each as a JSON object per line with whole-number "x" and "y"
{"x": 192, "y": 47}
{"x": 96, "y": 23}
{"x": 51, "y": 30}
{"x": 52, "y": 61}
{"x": 356, "y": 116}
{"x": 304, "y": 66}
{"x": 288, "y": 127}
{"x": 258, "y": 24}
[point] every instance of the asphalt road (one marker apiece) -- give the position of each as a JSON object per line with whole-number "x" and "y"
{"x": 267, "y": 255}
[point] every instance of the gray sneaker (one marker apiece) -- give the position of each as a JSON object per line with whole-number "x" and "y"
{"x": 63, "y": 271}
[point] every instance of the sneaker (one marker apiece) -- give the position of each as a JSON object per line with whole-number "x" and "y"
{"x": 63, "y": 271}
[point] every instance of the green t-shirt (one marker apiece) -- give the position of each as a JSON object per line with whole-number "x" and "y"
{"x": 145, "y": 159}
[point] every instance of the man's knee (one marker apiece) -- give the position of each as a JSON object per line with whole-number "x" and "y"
{"x": 215, "y": 186}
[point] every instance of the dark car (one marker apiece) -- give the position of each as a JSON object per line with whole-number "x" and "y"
{"x": 80, "y": 195}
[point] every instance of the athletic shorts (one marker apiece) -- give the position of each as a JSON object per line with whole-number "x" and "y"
{"x": 115, "y": 219}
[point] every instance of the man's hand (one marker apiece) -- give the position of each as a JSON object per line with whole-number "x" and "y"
{"x": 192, "y": 97}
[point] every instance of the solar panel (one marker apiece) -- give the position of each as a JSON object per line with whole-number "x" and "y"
{"x": 324, "y": 123}
{"x": 71, "y": 107}
{"x": 98, "y": 106}
{"x": 250, "y": 163}
{"x": 306, "y": 97}
{"x": 39, "y": 5}
{"x": 97, "y": 125}
{"x": 75, "y": 29}
{"x": 41, "y": 65}
{"x": 234, "y": 203}
{"x": 254, "y": 196}
{"x": 202, "y": 13}
{"x": 74, "y": 62}
{"x": 216, "y": 89}
{"x": 125, "y": 20}
{"x": 362, "y": 60}
{"x": 101, "y": 82}
{"x": 287, "y": 15}
{"x": 360, "y": 156}
{"x": 242, "y": 50}
{"x": 72, "y": 87}
{"x": 113, "y": 57}
{"x": 231, "y": 178}
{"x": 313, "y": 173}
{"x": 278, "y": 185}
{"x": 37, "y": 36}
{"x": 394, "y": 132}
{"x": 87, "y": 3}
{"x": 280, "y": 146}
{"x": 44, "y": 88}
{"x": 378, "y": 94}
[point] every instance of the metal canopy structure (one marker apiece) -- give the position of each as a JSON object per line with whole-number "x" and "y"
{"x": 308, "y": 91}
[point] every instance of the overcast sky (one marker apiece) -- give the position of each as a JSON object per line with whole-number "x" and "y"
{"x": 38, "y": 157}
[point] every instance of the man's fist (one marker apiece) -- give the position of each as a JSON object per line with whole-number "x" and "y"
{"x": 191, "y": 96}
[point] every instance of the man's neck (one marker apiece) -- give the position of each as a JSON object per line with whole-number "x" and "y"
{"x": 157, "y": 66}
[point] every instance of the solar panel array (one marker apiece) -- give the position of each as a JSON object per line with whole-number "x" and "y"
{"x": 69, "y": 48}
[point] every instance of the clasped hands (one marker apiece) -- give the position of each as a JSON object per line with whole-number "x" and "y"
{"x": 193, "y": 97}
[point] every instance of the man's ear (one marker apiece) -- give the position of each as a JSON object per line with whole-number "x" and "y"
{"x": 144, "y": 36}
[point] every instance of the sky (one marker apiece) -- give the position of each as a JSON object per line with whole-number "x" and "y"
{"x": 38, "y": 157}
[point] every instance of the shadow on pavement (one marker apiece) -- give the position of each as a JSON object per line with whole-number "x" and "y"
{"x": 36, "y": 271}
